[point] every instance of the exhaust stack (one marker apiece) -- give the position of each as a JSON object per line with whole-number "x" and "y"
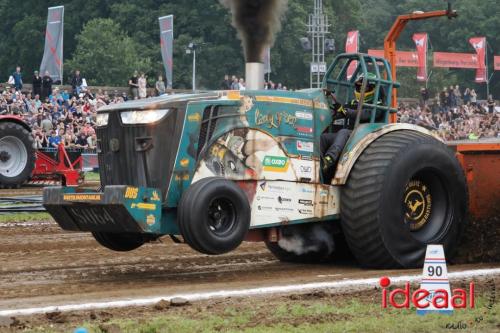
{"x": 254, "y": 74}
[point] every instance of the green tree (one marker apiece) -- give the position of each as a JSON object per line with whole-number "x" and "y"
{"x": 106, "y": 55}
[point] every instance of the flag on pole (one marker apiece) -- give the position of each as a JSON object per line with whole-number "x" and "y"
{"x": 352, "y": 46}
{"x": 496, "y": 61}
{"x": 420, "y": 40}
{"x": 479, "y": 44}
{"x": 166, "y": 43}
{"x": 52, "y": 60}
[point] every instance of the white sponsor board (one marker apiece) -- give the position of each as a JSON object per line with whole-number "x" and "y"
{"x": 281, "y": 201}
{"x": 304, "y": 115}
{"x": 305, "y": 146}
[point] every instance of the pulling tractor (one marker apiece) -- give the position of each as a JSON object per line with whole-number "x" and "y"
{"x": 218, "y": 168}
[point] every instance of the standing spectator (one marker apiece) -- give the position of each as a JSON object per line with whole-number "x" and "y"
{"x": 160, "y": 86}
{"x": 466, "y": 96}
{"x": 133, "y": 84}
{"x": 491, "y": 104}
{"x": 241, "y": 84}
{"x": 424, "y": 95}
{"x": 226, "y": 84}
{"x": 458, "y": 95}
{"x": 92, "y": 141}
{"x": 142, "y": 86}
{"x": 76, "y": 83}
{"x": 452, "y": 102}
{"x": 473, "y": 97}
{"x": 37, "y": 84}
{"x": 18, "y": 79}
{"x": 235, "y": 85}
{"x": 46, "y": 85}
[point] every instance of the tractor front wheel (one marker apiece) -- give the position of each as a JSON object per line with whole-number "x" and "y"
{"x": 405, "y": 191}
{"x": 214, "y": 215}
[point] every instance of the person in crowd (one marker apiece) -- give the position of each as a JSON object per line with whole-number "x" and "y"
{"x": 133, "y": 84}
{"x": 473, "y": 97}
{"x": 424, "y": 96}
{"x": 37, "y": 84}
{"x": 491, "y": 104}
{"x": 76, "y": 83}
{"x": 46, "y": 85}
{"x": 160, "y": 86}
{"x": 54, "y": 139}
{"x": 235, "y": 83}
{"x": 241, "y": 84}
{"x": 18, "y": 79}
{"x": 142, "y": 86}
{"x": 226, "y": 84}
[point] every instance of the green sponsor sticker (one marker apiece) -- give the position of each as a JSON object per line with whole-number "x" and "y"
{"x": 275, "y": 163}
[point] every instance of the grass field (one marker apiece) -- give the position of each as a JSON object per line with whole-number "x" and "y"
{"x": 318, "y": 312}
{"x": 24, "y": 217}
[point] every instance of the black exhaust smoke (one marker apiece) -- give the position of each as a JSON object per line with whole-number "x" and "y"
{"x": 257, "y": 22}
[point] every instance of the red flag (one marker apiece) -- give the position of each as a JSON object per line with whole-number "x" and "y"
{"x": 497, "y": 63}
{"x": 479, "y": 44}
{"x": 455, "y": 60}
{"x": 403, "y": 58}
{"x": 352, "y": 46}
{"x": 420, "y": 40}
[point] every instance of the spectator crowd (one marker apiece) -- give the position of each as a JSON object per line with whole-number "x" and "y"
{"x": 454, "y": 114}
{"x": 69, "y": 116}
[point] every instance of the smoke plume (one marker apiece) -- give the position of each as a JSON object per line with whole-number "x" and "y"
{"x": 301, "y": 240}
{"x": 257, "y": 22}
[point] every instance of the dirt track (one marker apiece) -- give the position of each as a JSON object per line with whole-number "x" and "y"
{"x": 43, "y": 265}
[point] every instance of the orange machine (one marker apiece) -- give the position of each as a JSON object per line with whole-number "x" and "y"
{"x": 480, "y": 161}
{"x": 393, "y": 35}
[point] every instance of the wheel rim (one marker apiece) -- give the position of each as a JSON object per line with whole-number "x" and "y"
{"x": 13, "y": 156}
{"x": 221, "y": 216}
{"x": 426, "y": 206}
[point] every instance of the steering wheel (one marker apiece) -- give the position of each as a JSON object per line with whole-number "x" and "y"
{"x": 329, "y": 94}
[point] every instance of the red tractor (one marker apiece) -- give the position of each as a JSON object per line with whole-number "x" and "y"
{"x": 20, "y": 161}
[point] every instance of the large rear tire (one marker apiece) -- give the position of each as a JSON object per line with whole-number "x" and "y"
{"x": 405, "y": 191}
{"x": 121, "y": 242}
{"x": 17, "y": 155}
{"x": 214, "y": 215}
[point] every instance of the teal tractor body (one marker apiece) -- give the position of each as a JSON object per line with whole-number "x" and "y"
{"x": 218, "y": 168}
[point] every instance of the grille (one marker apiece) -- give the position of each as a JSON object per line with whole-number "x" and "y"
{"x": 125, "y": 165}
{"x": 209, "y": 122}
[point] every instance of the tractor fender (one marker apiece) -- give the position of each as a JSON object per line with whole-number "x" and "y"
{"x": 16, "y": 120}
{"x": 351, "y": 155}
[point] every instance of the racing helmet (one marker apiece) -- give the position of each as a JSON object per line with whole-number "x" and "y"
{"x": 370, "y": 87}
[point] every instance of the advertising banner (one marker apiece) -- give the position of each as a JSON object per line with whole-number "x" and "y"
{"x": 52, "y": 61}
{"x": 497, "y": 63}
{"x": 420, "y": 40}
{"x": 352, "y": 46}
{"x": 403, "y": 58}
{"x": 455, "y": 60}
{"x": 479, "y": 44}
{"x": 166, "y": 43}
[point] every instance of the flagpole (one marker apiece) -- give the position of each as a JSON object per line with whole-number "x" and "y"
{"x": 487, "y": 76}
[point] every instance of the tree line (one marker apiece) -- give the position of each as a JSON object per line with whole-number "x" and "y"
{"x": 109, "y": 39}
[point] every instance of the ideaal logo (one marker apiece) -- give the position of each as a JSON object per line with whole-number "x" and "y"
{"x": 275, "y": 163}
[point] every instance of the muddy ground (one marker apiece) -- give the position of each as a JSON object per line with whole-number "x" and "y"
{"x": 42, "y": 265}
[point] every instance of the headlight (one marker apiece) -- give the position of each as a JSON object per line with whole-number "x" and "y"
{"x": 143, "y": 117}
{"x": 102, "y": 119}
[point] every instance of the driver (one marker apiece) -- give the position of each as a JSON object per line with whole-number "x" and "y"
{"x": 332, "y": 144}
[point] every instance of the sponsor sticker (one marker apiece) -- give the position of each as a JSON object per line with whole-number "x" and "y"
{"x": 150, "y": 219}
{"x": 304, "y": 115}
{"x": 305, "y": 146}
{"x": 283, "y": 199}
{"x": 275, "y": 163}
{"x": 304, "y": 129}
{"x": 82, "y": 197}
{"x": 305, "y": 202}
{"x": 306, "y": 211}
{"x": 131, "y": 192}
{"x": 143, "y": 206}
{"x": 155, "y": 196}
{"x": 195, "y": 117}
